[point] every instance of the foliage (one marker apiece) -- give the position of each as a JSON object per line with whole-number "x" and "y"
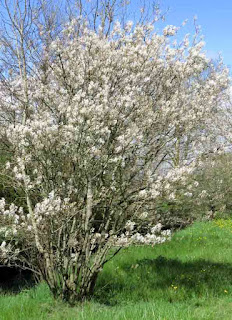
{"x": 215, "y": 184}
{"x": 206, "y": 194}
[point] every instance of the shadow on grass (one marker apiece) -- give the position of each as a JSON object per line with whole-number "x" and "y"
{"x": 164, "y": 278}
{"x": 14, "y": 280}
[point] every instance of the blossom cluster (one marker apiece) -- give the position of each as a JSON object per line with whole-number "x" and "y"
{"x": 101, "y": 120}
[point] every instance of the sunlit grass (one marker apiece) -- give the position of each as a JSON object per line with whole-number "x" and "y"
{"x": 189, "y": 277}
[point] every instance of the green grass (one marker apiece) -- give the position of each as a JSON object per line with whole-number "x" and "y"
{"x": 189, "y": 277}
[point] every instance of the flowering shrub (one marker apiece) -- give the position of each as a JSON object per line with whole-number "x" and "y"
{"x": 94, "y": 128}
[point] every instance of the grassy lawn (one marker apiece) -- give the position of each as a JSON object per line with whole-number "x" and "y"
{"x": 189, "y": 277}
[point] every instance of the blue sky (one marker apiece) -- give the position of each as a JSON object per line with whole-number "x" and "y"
{"x": 214, "y": 17}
